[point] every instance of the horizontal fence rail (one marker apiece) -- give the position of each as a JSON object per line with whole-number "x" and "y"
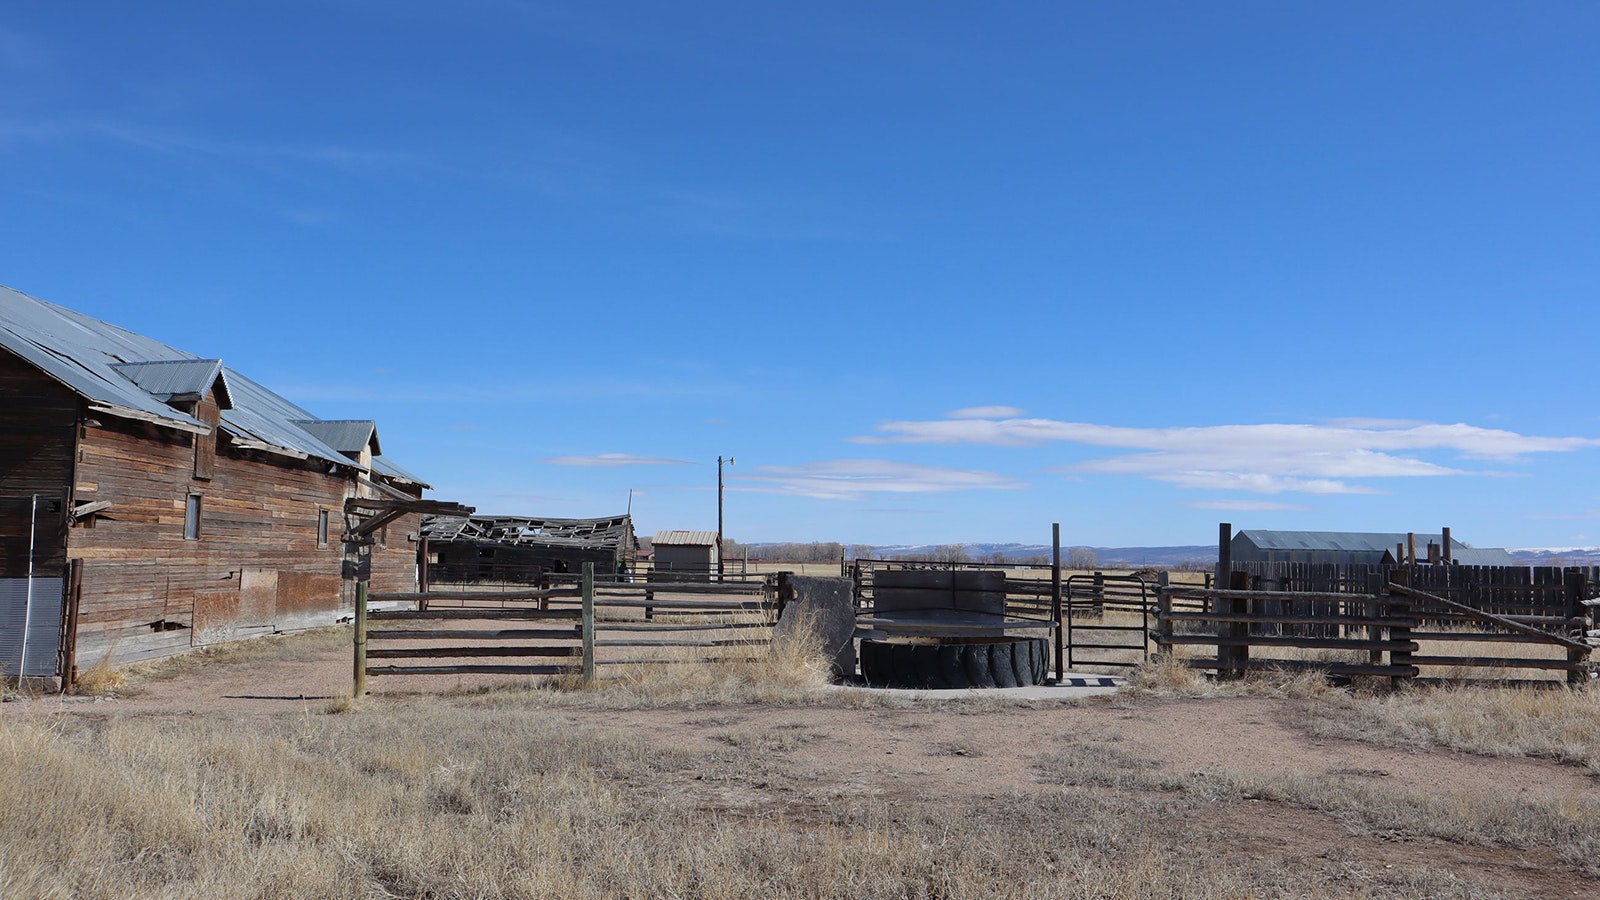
{"x": 1403, "y": 628}
{"x": 572, "y": 627}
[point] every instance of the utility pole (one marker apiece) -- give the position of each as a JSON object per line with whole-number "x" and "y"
{"x": 719, "y": 515}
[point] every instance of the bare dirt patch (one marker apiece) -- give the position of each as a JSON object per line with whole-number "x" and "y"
{"x": 1157, "y": 786}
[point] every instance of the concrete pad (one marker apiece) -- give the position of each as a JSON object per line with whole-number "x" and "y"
{"x": 1073, "y": 686}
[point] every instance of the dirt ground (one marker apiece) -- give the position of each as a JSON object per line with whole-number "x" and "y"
{"x": 918, "y": 752}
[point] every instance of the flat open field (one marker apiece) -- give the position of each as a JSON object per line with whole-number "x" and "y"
{"x": 245, "y": 774}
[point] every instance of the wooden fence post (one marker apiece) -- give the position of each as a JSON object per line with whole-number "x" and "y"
{"x": 69, "y": 626}
{"x": 1238, "y": 654}
{"x": 1055, "y": 599}
{"x": 1577, "y": 589}
{"x": 588, "y": 623}
{"x": 1400, "y": 606}
{"x": 1163, "y": 613}
{"x": 360, "y": 687}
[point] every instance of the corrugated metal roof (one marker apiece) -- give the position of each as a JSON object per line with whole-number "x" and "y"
{"x": 344, "y": 435}
{"x": 167, "y": 379}
{"x": 91, "y": 358}
{"x": 80, "y": 352}
{"x": 384, "y": 467}
{"x": 685, "y": 538}
{"x": 1372, "y": 542}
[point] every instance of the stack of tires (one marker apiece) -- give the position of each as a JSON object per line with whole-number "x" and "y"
{"x": 1003, "y": 663}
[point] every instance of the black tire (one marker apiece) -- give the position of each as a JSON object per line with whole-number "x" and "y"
{"x": 902, "y": 666}
{"x": 1005, "y": 663}
{"x": 875, "y": 662}
{"x": 978, "y": 661}
{"x": 1005, "y": 674}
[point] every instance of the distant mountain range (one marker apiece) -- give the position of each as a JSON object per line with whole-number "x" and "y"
{"x": 1197, "y": 554}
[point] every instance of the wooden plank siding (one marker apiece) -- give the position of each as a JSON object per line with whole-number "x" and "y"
{"x": 38, "y": 429}
{"x": 256, "y": 567}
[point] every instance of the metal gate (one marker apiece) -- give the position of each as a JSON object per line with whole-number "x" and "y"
{"x": 1109, "y": 616}
{"x": 31, "y": 605}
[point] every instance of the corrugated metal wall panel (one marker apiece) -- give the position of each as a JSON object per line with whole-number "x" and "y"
{"x": 44, "y": 625}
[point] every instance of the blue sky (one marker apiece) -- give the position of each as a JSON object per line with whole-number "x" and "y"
{"x": 930, "y": 273}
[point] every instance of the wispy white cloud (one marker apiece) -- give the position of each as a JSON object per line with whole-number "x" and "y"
{"x": 851, "y": 479}
{"x": 613, "y": 460}
{"x": 1247, "y": 506}
{"x": 986, "y": 412}
{"x": 1263, "y": 459}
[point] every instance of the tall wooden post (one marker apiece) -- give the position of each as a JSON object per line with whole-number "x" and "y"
{"x": 1224, "y": 558}
{"x": 1577, "y": 589}
{"x": 1055, "y": 598}
{"x": 1400, "y": 607}
{"x": 1238, "y": 655}
{"x": 360, "y": 687}
{"x": 588, "y": 623}
{"x": 69, "y": 626}
{"x": 1163, "y": 612}
{"x": 1446, "y": 540}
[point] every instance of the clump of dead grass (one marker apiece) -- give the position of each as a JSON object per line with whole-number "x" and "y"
{"x": 101, "y": 679}
{"x": 1553, "y": 723}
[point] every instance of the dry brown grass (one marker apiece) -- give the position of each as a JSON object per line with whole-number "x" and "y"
{"x": 432, "y": 800}
{"x": 101, "y": 679}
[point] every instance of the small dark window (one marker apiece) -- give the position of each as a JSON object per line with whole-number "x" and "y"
{"x": 322, "y": 528}
{"x": 191, "y": 519}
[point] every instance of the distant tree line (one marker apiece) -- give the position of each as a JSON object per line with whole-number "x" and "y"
{"x": 827, "y": 551}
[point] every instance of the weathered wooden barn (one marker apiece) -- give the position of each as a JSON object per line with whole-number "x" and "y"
{"x": 1360, "y": 547}
{"x": 520, "y": 549}
{"x": 684, "y": 555}
{"x": 152, "y": 501}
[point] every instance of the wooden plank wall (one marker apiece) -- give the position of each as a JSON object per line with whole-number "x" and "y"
{"x": 38, "y": 421}
{"x": 1503, "y": 590}
{"x": 256, "y": 567}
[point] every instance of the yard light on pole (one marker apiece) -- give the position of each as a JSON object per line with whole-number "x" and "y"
{"x": 719, "y": 514}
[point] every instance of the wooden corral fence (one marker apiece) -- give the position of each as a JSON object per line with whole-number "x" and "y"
{"x": 1388, "y": 623}
{"x": 1102, "y": 619}
{"x": 579, "y": 625}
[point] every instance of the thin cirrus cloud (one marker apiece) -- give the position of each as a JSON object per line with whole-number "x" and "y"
{"x": 613, "y": 460}
{"x": 1259, "y": 459}
{"x": 852, "y": 479}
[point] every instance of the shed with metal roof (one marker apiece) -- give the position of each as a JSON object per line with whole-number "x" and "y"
{"x": 683, "y": 555}
{"x": 1357, "y": 547}
{"x": 166, "y": 501}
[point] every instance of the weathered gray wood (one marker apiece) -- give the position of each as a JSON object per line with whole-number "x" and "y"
{"x": 476, "y": 634}
{"x": 478, "y": 650}
{"x": 1482, "y": 616}
{"x": 432, "y": 597}
{"x": 1269, "y": 618}
{"x": 470, "y": 669}
{"x": 1316, "y": 643}
{"x": 1497, "y": 662}
{"x": 436, "y": 614}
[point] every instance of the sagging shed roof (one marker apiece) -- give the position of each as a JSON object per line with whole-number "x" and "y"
{"x": 608, "y": 533}
{"x": 685, "y": 539}
{"x": 128, "y": 375}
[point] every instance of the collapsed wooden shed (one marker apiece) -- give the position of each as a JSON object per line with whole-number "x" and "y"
{"x": 152, "y": 501}
{"x": 524, "y": 549}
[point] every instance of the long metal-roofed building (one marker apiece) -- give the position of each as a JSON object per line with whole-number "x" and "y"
{"x": 153, "y": 500}
{"x": 524, "y": 549}
{"x": 1357, "y": 547}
